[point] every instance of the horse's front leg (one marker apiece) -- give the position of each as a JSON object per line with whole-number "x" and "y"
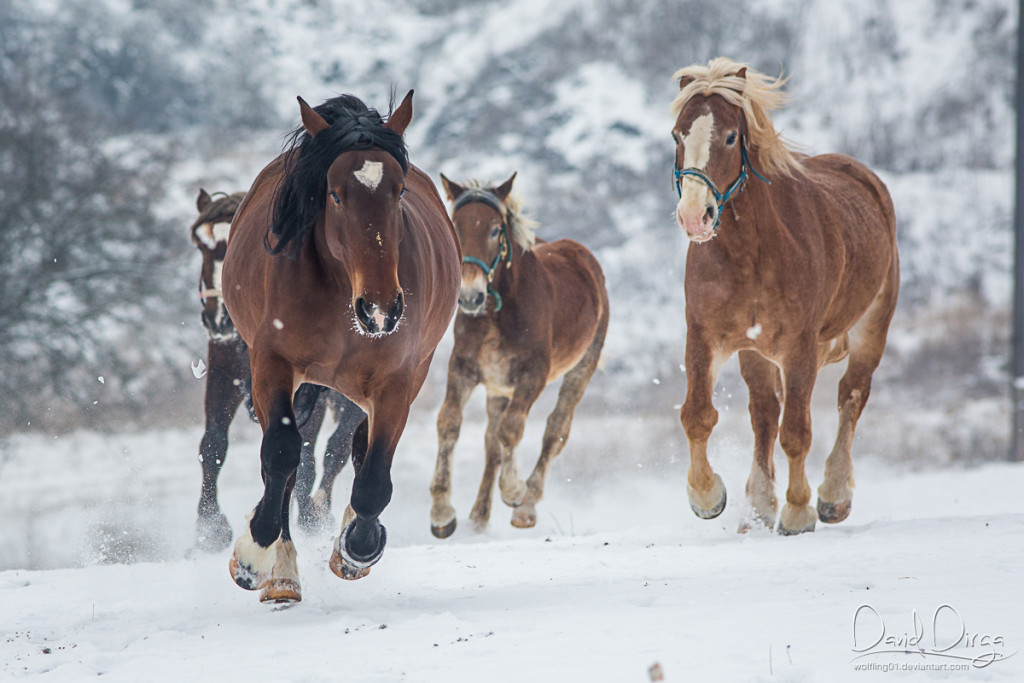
{"x": 228, "y": 368}
{"x": 698, "y": 416}
{"x": 264, "y": 555}
{"x": 362, "y": 539}
{"x": 480, "y": 515}
{"x": 462, "y": 378}
{"x": 529, "y": 384}
{"x": 799, "y": 372}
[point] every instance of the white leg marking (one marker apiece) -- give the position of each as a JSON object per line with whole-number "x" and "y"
{"x": 370, "y": 174}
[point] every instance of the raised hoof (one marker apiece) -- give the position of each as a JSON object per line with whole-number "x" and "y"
{"x": 794, "y": 520}
{"x": 523, "y": 518}
{"x": 515, "y": 497}
{"x": 833, "y": 513}
{"x": 280, "y": 591}
{"x": 711, "y": 504}
{"x": 444, "y": 530}
{"x": 245, "y": 576}
{"x": 344, "y": 570}
{"x": 213, "y": 533}
{"x": 348, "y": 567}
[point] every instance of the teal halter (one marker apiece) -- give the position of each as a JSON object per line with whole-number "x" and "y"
{"x": 505, "y": 243}
{"x": 720, "y": 197}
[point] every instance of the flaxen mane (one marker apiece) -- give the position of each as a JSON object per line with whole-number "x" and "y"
{"x": 522, "y": 228}
{"x": 756, "y": 93}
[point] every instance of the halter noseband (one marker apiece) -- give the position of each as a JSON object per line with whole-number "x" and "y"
{"x": 735, "y": 188}
{"x": 504, "y": 242}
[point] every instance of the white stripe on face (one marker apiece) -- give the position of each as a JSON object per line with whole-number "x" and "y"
{"x": 370, "y": 174}
{"x": 697, "y": 152}
{"x": 221, "y": 231}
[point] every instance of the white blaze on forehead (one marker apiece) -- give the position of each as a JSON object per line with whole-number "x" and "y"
{"x": 370, "y": 174}
{"x": 698, "y": 151}
{"x": 211, "y": 234}
{"x": 698, "y": 142}
{"x": 221, "y": 231}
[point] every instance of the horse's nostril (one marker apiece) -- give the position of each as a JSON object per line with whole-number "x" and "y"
{"x": 709, "y": 214}
{"x": 478, "y": 300}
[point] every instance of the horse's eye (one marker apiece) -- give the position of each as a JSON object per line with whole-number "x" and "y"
{"x": 336, "y": 198}
{"x": 730, "y": 139}
{"x": 402, "y": 192}
{"x": 495, "y": 230}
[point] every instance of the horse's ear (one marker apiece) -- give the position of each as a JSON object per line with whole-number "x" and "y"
{"x": 502, "y": 191}
{"x": 451, "y": 188}
{"x": 401, "y": 117}
{"x": 311, "y": 121}
{"x": 203, "y": 200}
{"x": 742, "y": 73}
{"x": 685, "y": 81}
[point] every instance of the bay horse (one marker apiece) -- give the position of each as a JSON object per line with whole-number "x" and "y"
{"x": 793, "y": 265}
{"x": 227, "y": 387}
{"x": 529, "y": 312}
{"x": 351, "y": 286}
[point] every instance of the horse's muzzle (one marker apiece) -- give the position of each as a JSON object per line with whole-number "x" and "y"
{"x": 472, "y": 300}
{"x": 376, "y": 321}
{"x": 218, "y": 323}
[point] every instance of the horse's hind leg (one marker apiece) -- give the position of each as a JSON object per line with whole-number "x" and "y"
{"x": 347, "y": 415}
{"x": 263, "y": 554}
{"x": 309, "y": 429}
{"x": 763, "y": 382}
{"x": 481, "y": 512}
{"x": 556, "y": 433}
{"x": 867, "y": 343}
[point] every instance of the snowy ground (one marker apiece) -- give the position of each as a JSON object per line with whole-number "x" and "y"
{"x": 617, "y": 576}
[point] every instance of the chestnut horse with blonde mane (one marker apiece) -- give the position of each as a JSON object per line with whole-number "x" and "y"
{"x": 343, "y": 271}
{"x": 530, "y": 312}
{"x": 792, "y": 263}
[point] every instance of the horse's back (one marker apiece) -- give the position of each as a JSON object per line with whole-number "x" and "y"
{"x": 859, "y": 229}
{"x": 577, "y": 285}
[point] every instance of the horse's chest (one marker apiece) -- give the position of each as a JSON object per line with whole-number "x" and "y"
{"x": 495, "y": 367}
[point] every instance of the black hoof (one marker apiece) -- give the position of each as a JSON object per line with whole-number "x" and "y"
{"x": 349, "y": 566}
{"x": 713, "y": 512}
{"x": 443, "y": 531}
{"x": 783, "y": 531}
{"x": 213, "y": 533}
{"x": 833, "y": 513}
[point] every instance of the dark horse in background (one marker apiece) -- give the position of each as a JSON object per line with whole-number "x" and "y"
{"x": 227, "y": 387}
{"x": 351, "y": 286}
{"x": 530, "y": 312}
{"x": 797, "y": 270}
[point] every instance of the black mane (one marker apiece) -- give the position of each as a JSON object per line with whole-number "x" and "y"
{"x": 302, "y": 192}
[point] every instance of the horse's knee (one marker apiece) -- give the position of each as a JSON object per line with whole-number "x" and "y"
{"x": 698, "y": 421}
{"x": 449, "y": 424}
{"x": 795, "y": 437}
{"x": 510, "y": 430}
{"x": 281, "y": 452}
